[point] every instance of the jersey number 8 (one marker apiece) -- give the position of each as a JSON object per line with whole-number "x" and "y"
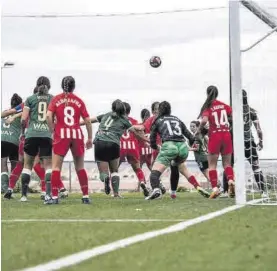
{"x": 69, "y": 115}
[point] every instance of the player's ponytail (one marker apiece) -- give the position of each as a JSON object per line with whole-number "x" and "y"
{"x": 212, "y": 93}
{"x": 15, "y": 100}
{"x": 144, "y": 114}
{"x": 118, "y": 109}
{"x": 164, "y": 109}
{"x": 35, "y": 90}
{"x": 43, "y": 80}
{"x": 127, "y": 108}
{"x": 68, "y": 84}
{"x": 42, "y": 90}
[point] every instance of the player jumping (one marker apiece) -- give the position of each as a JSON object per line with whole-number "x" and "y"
{"x": 67, "y": 109}
{"x": 174, "y": 149}
{"x": 220, "y": 141}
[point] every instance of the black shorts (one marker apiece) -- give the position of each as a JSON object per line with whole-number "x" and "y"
{"x": 41, "y": 146}
{"x": 250, "y": 151}
{"x": 105, "y": 151}
{"x": 203, "y": 165}
{"x": 9, "y": 150}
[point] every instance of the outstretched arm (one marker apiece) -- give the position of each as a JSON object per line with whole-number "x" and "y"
{"x": 153, "y": 137}
{"x": 187, "y": 134}
{"x": 91, "y": 120}
{"x": 139, "y": 134}
{"x": 11, "y": 119}
{"x": 12, "y": 111}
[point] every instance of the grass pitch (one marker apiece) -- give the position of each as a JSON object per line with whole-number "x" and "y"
{"x": 241, "y": 240}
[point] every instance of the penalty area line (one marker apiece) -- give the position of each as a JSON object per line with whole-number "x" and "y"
{"x": 81, "y": 256}
{"x": 69, "y": 220}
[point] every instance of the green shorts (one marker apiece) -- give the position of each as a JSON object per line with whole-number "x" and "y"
{"x": 171, "y": 151}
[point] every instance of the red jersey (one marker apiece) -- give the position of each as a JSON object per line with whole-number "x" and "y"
{"x": 147, "y": 128}
{"x": 218, "y": 117}
{"x": 128, "y": 140}
{"x": 68, "y": 109}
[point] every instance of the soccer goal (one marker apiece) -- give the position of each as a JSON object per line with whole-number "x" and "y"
{"x": 255, "y": 108}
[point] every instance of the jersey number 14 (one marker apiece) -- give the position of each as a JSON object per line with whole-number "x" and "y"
{"x": 221, "y": 118}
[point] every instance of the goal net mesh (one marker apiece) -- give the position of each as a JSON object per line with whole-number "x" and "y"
{"x": 259, "y": 80}
{"x": 109, "y": 58}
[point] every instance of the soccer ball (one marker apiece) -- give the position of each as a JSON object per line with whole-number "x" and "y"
{"x": 155, "y": 62}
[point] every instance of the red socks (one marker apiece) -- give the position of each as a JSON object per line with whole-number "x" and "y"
{"x": 55, "y": 179}
{"x": 83, "y": 180}
{"x": 229, "y": 173}
{"x": 213, "y": 177}
{"x": 193, "y": 181}
{"x": 40, "y": 171}
{"x": 15, "y": 174}
{"x": 140, "y": 175}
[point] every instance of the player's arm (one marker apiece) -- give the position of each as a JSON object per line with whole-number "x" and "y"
{"x": 24, "y": 117}
{"x": 153, "y": 137}
{"x": 139, "y": 134}
{"x": 12, "y": 111}
{"x": 138, "y": 127}
{"x": 11, "y": 119}
{"x": 50, "y": 121}
{"x": 187, "y": 133}
{"x": 92, "y": 120}
{"x": 258, "y": 128}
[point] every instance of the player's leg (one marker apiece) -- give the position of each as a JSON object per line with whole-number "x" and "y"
{"x": 45, "y": 153}
{"x": 226, "y": 152}
{"x": 214, "y": 147}
{"x": 192, "y": 180}
{"x": 31, "y": 149}
{"x": 4, "y": 173}
{"x": 82, "y": 177}
{"x": 115, "y": 179}
{"x": 16, "y": 172}
{"x": 40, "y": 171}
{"x": 169, "y": 151}
{"x": 101, "y": 155}
{"x": 174, "y": 180}
{"x": 60, "y": 149}
{"x": 133, "y": 160}
{"x": 252, "y": 157}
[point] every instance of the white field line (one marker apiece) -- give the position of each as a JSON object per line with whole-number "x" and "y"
{"x": 88, "y": 220}
{"x": 79, "y": 257}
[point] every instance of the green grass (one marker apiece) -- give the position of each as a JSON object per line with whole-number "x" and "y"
{"x": 242, "y": 240}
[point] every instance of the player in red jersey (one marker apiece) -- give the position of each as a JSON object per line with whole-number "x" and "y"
{"x": 129, "y": 149}
{"x": 220, "y": 141}
{"x": 145, "y": 149}
{"x": 68, "y": 108}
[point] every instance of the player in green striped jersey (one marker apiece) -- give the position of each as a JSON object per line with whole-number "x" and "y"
{"x": 10, "y": 133}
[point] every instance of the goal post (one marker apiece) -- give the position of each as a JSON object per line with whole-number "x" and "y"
{"x": 236, "y": 95}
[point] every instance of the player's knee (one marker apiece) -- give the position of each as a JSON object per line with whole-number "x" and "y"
{"x": 103, "y": 176}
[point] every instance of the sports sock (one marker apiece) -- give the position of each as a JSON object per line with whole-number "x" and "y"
{"x": 55, "y": 177}
{"x": 4, "y": 181}
{"x": 83, "y": 180}
{"x": 229, "y": 173}
{"x": 213, "y": 177}
{"x": 48, "y": 181}
{"x": 155, "y": 178}
{"x": 225, "y": 183}
{"x": 25, "y": 180}
{"x": 40, "y": 171}
{"x": 140, "y": 175}
{"x": 193, "y": 181}
{"x": 15, "y": 174}
{"x": 174, "y": 177}
{"x": 115, "y": 179}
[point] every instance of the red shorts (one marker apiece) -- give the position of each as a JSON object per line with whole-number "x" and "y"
{"x": 21, "y": 147}
{"x": 62, "y": 146}
{"x": 220, "y": 143}
{"x": 131, "y": 155}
